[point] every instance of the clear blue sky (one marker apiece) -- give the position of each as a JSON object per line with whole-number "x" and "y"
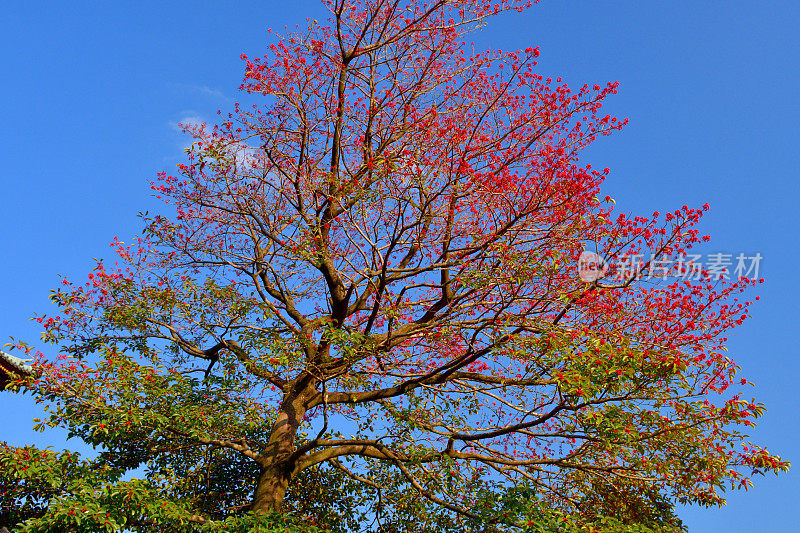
{"x": 91, "y": 92}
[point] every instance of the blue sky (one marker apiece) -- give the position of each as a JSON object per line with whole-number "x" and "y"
{"x": 91, "y": 93}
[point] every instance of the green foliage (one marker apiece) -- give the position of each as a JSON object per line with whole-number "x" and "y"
{"x": 48, "y": 492}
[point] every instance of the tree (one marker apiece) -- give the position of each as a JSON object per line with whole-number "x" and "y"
{"x": 365, "y": 309}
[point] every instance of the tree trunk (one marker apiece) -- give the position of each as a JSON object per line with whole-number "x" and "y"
{"x": 275, "y": 477}
{"x": 270, "y": 490}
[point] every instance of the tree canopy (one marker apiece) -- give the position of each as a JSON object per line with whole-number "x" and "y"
{"x": 361, "y": 309}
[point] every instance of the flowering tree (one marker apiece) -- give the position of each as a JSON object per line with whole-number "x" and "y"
{"x": 366, "y": 308}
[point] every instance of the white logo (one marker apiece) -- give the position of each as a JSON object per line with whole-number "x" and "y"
{"x": 591, "y": 267}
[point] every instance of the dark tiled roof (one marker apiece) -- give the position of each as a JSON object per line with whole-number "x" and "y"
{"x": 9, "y": 365}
